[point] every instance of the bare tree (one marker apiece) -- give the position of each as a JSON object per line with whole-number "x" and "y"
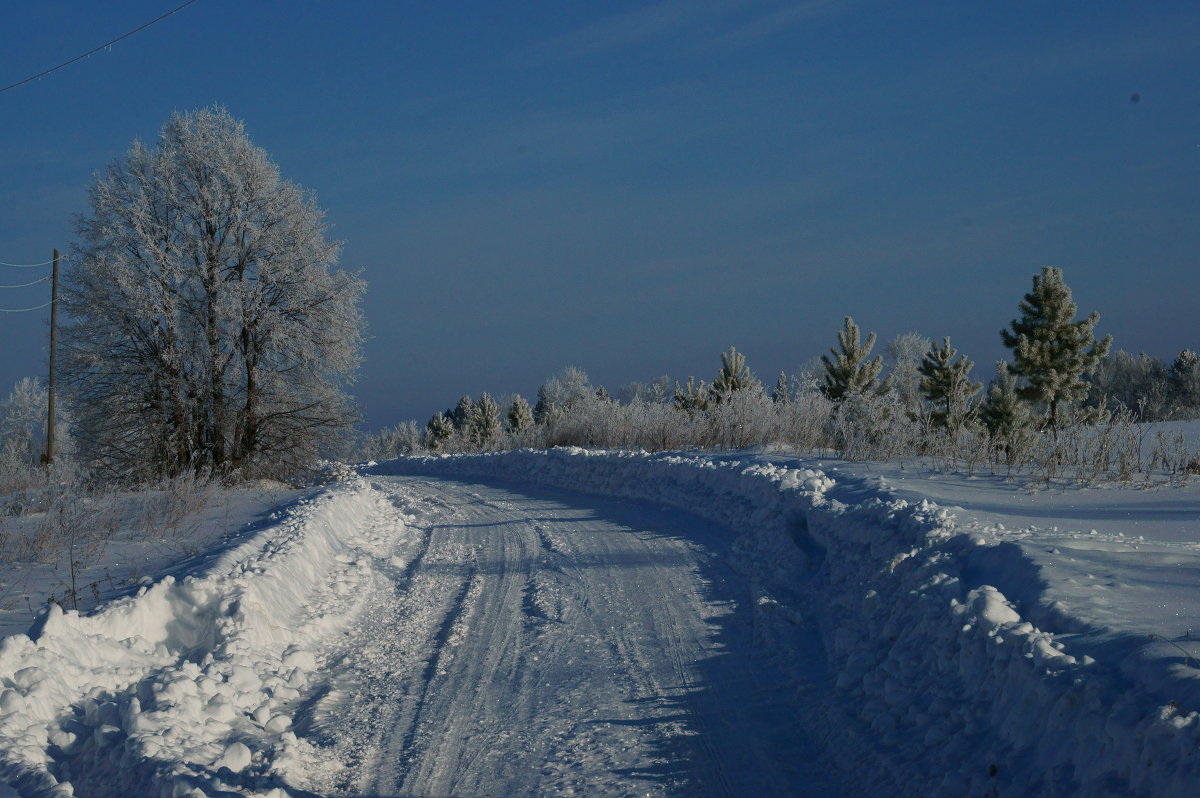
{"x": 210, "y": 328}
{"x": 906, "y": 352}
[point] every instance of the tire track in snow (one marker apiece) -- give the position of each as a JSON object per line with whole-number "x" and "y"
{"x": 537, "y": 647}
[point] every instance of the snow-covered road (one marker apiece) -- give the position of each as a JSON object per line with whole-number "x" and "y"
{"x": 539, "y": 644}
{"x": 622, "y": 623}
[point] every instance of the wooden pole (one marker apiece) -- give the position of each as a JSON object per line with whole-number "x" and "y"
{"x": 48, "y": 457}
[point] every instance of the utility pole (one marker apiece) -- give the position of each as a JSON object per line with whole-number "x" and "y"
{"x": 48, "y": 457}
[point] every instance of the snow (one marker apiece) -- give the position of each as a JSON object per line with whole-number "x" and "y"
{"x": 942, "y": 635}
{"x": 142, "y": 549}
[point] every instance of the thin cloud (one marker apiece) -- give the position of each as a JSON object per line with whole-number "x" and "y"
{"x": 775, "y": 22}
{"x": 634, "y": 27}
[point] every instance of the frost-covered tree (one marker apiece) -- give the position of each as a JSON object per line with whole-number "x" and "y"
{"x": 782, "y": 392}
{"x": 560, "y": 393}
{"x": 1185, "y": 385}
{"x": 485, "y": 423}
{"x": 734, "y": 376}
{"x": 519, "y": 416}
{"x": 1140, "y": 384}
{"x": 464, "y": 414}
{"x": 1052, "y": 350}
{"x": 209, "y": 328}
{"x": 654, "y": 392}
{"x": 947, "y": 384}
{"x": 391, "y": 442}
{"x": 906, "y": 351}
{"x": 23, "y": 426}
{"x": 850, "y": 373}
{"x": 692, "y": 397}
{"x": 438, "y": 432}
{"x": 1004, "y": 413}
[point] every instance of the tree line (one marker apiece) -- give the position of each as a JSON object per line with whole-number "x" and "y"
{"x": 210, "y": 332}
{"x": 1053, "y": 406}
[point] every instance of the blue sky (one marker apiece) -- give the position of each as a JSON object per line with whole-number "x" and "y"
{"x": 631, "y": 188}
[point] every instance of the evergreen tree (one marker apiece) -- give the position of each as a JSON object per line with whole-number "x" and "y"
{"x": 1003, "y": 412}
{"x": 782, "y": 392}
{"x": 520, "y": 417}
{"x": 1051, "y": 350}
{"x": 464, "y": 414}
{"x": 545, "y": 410}
{"x": 850, "y": 373}
{"x": 691, "y": 397}
{"x": 734, "y": 376}
{"x": 485, "y": 422}
{"x": 947, "y": 385}
{"x": 603, "y": 395}
{"x": 1185, "y": 385}
{"x": 438, "y": 431}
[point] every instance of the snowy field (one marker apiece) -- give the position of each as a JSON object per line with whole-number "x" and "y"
{"x": 609, "y": 623}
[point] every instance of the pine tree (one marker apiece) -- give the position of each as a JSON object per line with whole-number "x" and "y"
{"x": 947, "y": 385}
{"x": 438, "y": 431}
{"x": 1003, "y": 412}
{"x": 850, "y": 373}
{"x": 1051, "y": 350}
{"x": 464, "y": 414}
{"x": 1185, "y": 385}
{"x": 485, "y": 422}
{"x": 691, "y": 397}
{"x": 603, "y": 395}
{"x": 734, "y": 376}
{"x": 782, "y": 392}
{"x": 520, "y": 417}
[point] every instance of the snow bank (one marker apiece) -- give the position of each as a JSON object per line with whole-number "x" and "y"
{"x": 187, "y": 688}
{"x": 939, "y": 685}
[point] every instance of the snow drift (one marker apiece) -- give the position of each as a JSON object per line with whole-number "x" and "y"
{"x": 188, "y": 687}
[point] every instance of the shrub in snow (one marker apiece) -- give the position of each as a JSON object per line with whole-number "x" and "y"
{"x": 905, "y": 352}
{"x": 872, "y": 426}
{"x": 402, "y": 439}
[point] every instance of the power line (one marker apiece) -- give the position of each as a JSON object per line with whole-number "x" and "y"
{"x": 97, "y": 49}
{"x": 26, "y": 265}
{"x": 26, "y": 285}
{"x": 26, "y": 310}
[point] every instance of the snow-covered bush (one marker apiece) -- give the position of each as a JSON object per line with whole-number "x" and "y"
{"x": 402, "y": 439}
